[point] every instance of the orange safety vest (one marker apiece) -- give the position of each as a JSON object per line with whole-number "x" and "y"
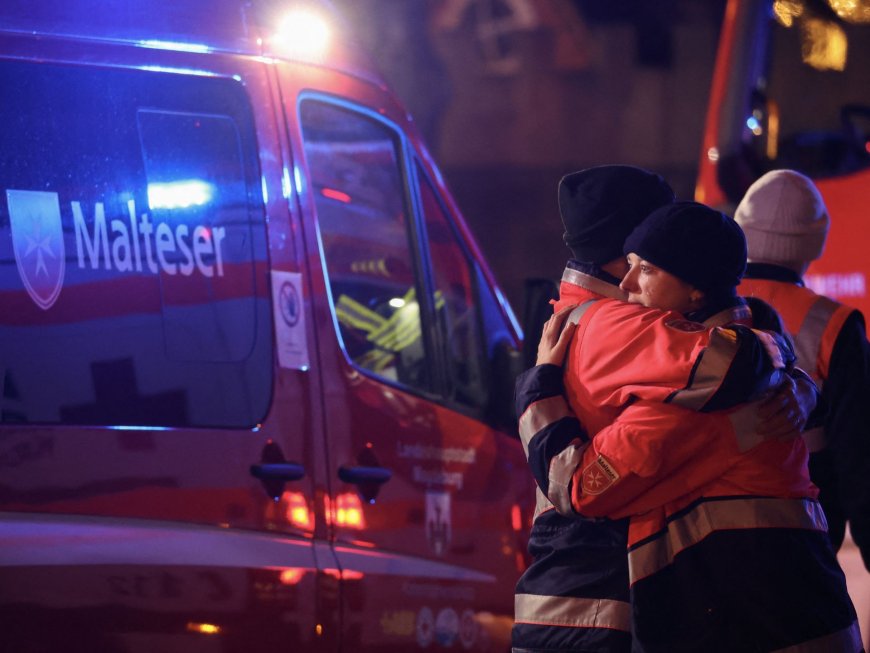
{"x": 720, "y": 523}
{"x": 631, "y": 353}
{"x": 814, "y": 323}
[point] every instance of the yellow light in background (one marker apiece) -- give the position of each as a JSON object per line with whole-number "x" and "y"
{"x": 771, "y": 149}
{"x": 786, "y": 11}
{"x": 205, "y": 629}
{"x": 825, "y": 45}
{"x": 853, "y": 11}
{"x": 303, "y": 33}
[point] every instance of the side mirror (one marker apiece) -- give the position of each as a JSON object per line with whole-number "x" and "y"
{"x": 537, "y": 294}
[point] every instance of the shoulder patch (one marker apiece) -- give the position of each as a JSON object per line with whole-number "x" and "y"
{"x": 598, "y": 476}
{"x": 685, "y": 325}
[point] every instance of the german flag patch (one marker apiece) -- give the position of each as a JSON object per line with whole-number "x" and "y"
{"x": 598, "y": 476}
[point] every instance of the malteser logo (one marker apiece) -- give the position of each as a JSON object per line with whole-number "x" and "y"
{"x": 133, "y": 243}
{"x": 598, "y": 476}
{"x": 37, "y": 239}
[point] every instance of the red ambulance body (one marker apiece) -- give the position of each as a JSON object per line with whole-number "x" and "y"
{"x": 252, "y": 364}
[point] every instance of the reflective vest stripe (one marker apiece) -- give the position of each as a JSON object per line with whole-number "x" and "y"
{"x": 572, "y": 612}
{"x": 562, "y": 468}
{"x": 542, "y": 504}
{"x": 708, "y": 375}
{"x": 846, "y": 640}
{"x": 814, "y": 322}
{"x": 730, "y": 514}
{"x": 577, "y": 314}
{"x": 808, "y": 339}
{"x": 593, "y": 284}
{"x": 808, "y": 347}
{"x": 541, "y": 414}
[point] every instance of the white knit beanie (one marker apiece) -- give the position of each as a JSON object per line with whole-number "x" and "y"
{"x": 784, "y": 218}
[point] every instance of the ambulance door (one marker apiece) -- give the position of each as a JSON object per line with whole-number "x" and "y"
{"x": 424, "y": 500}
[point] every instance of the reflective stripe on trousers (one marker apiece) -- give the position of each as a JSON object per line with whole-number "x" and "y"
{"x": 572, "y": 612}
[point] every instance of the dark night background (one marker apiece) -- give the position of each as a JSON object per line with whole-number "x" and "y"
{"x": 512, "y": 94}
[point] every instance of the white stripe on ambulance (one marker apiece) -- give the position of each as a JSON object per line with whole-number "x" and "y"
{"x": 159, "y": 241}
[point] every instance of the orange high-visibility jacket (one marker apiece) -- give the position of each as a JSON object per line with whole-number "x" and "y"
{"x": 831, "y": 345}
{"x": 735, "y": 556}
{"x": 574, "y": 595}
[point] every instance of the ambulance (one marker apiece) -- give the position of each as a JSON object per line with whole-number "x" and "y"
{"x": 255, "y": 377}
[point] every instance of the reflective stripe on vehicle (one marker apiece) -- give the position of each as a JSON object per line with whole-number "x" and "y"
{"x": 709, "y": 516}
{"x": 848, "y": 639}
{"x": 562, "y": 468}
{"x": 541, "y": 414}
{"x": 572, "y": 612}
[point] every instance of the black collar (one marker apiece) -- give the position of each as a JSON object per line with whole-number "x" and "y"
{"x": 772, "y": 272}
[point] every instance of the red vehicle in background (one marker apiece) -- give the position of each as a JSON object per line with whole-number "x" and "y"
{"x": 791, "y": 89}
{"x": 255, "y": 377}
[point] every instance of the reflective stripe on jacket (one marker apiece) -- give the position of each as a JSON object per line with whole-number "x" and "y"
{"x": 739, "y": 573}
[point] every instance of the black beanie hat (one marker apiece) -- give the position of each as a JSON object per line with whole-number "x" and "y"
{"x": 702, "y": 246}
{"x": 600, "y": 206}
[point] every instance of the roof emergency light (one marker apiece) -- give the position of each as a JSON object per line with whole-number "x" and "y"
{"x": 303, "y": 33}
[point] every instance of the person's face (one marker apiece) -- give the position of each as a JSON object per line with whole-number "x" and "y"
{"x": 651, "y": 286}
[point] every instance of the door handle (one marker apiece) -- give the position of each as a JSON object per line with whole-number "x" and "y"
{"x": 358, "y": 475}
{"x": 274, "y": 470}
{"x": 278, "y": 471}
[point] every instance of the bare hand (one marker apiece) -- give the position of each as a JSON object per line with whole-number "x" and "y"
{"x": 553, "y": 347}
{"x": 785, "y": 413}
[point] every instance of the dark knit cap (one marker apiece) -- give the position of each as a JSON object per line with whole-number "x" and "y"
{"x": 702, "y": 246}
{"x": 600, "y": 206}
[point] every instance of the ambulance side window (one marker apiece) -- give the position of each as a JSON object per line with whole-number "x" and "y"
{"x": 455, "y": 300}
{"x": 133, "y": 254}
{"x": 363, "y": 218}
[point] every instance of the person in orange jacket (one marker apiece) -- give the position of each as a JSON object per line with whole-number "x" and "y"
{"x": 786, "y": 223}
{"x": 727, "y": 545}
{"x": 574, "y": 596}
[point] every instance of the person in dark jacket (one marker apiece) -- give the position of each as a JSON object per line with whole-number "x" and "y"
{"x": 786, "y": 223}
